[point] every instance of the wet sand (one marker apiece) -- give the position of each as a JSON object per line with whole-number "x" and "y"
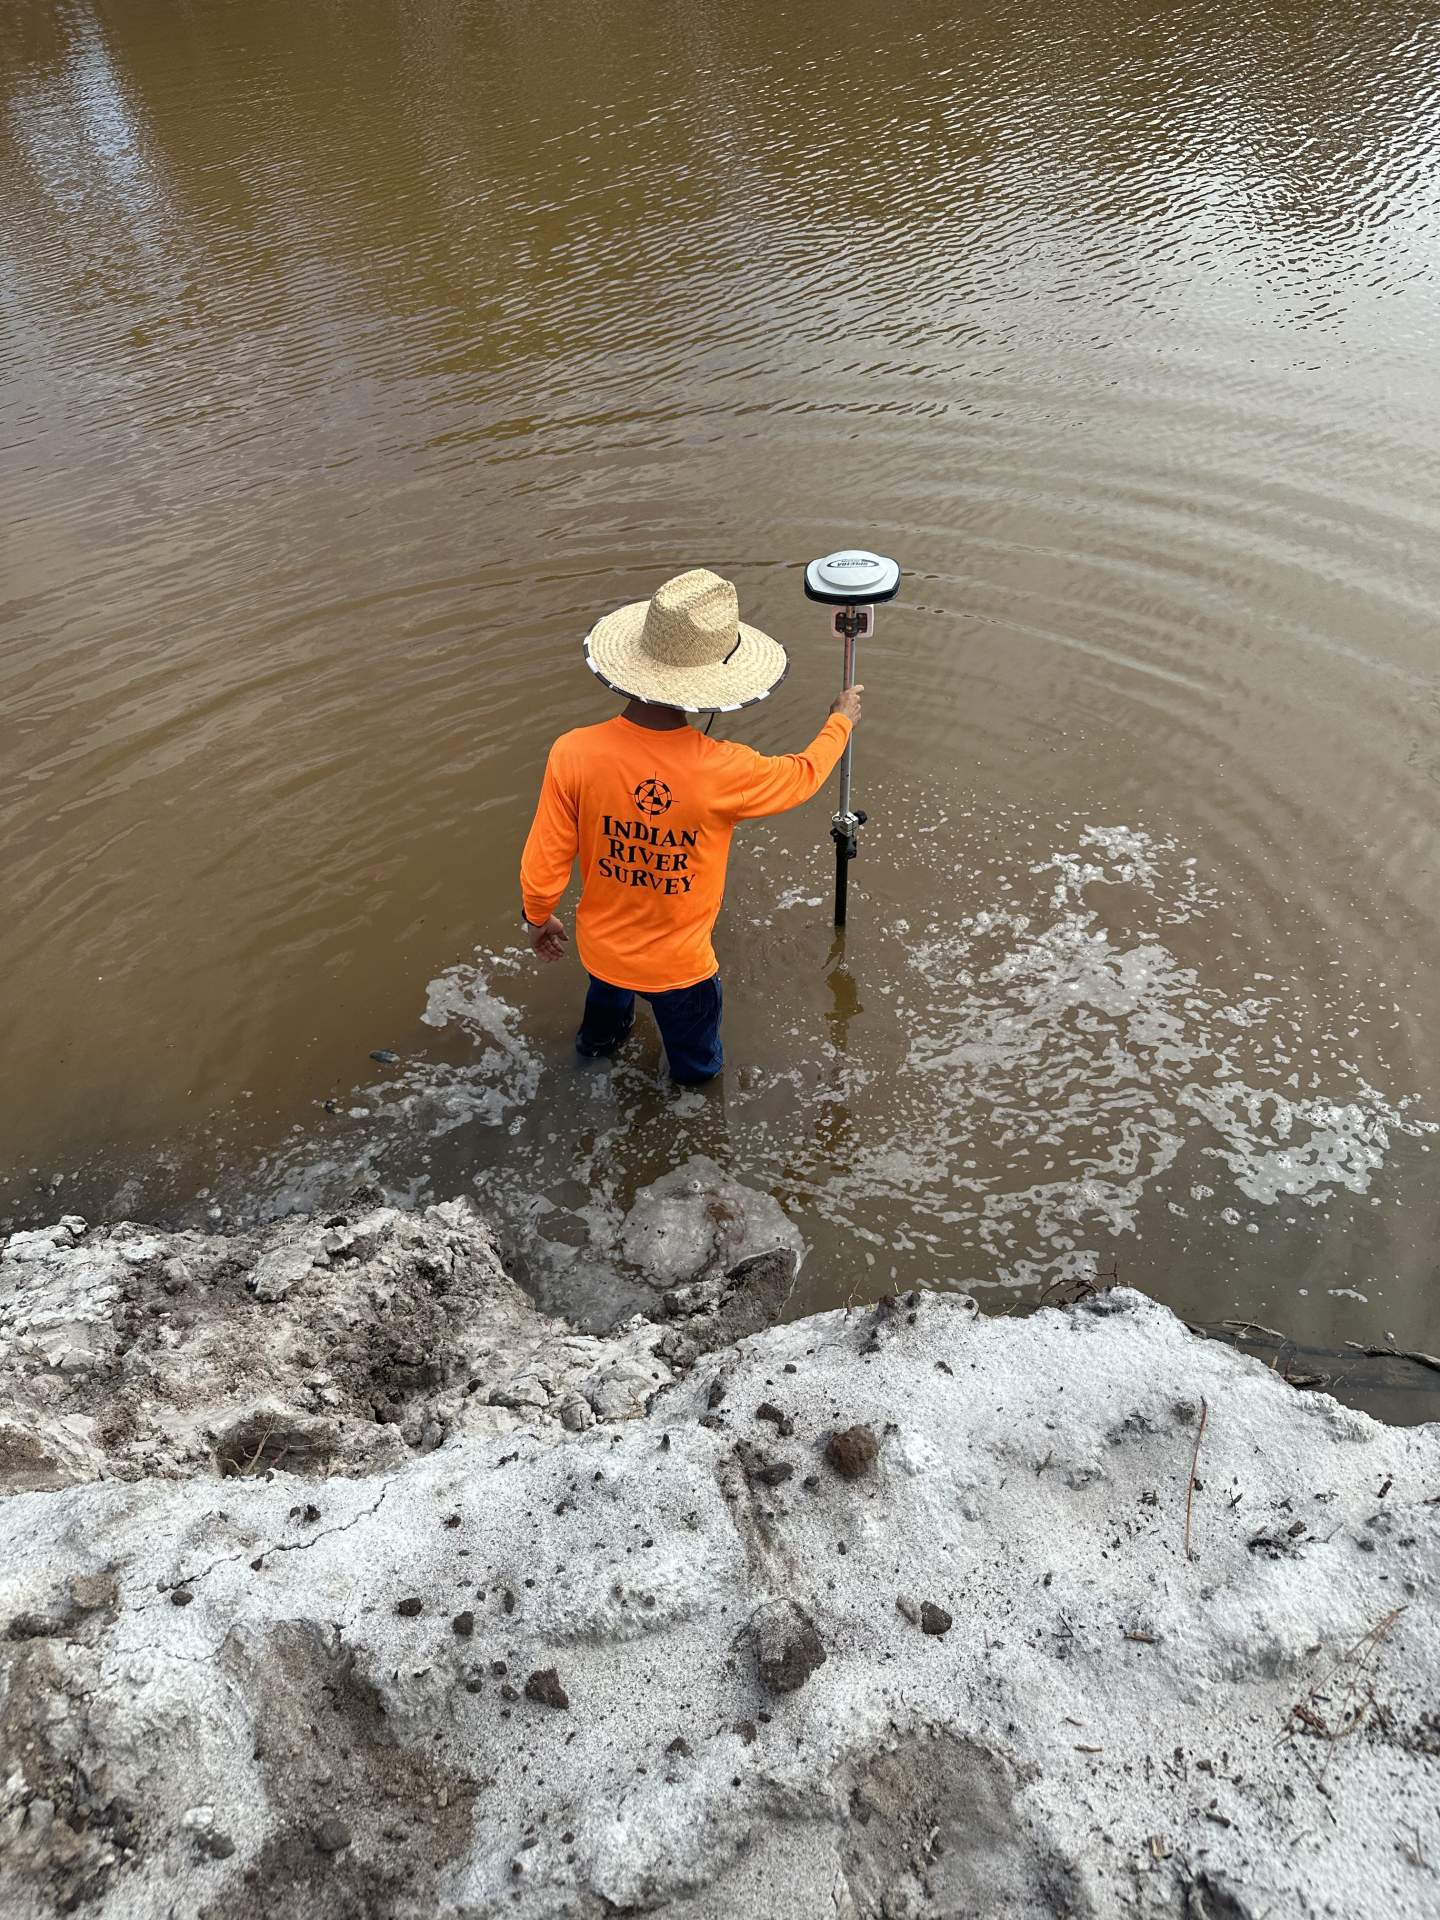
{"x": 901, "y": 1610}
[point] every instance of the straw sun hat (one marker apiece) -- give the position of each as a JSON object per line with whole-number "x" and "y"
{"x": 686, "y": 647}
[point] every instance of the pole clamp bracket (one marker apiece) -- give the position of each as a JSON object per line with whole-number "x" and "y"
{"x": 843, "y": 830}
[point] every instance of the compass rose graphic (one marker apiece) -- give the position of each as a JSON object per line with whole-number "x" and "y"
{"x": 653, "y": 797}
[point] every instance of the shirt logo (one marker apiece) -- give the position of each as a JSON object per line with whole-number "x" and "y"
{"x": 653, "y": 798}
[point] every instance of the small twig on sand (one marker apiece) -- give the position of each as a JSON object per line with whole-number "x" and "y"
{"x": 1085, "y": 1289}
{"x": 1355, "y": 1665}
{"x": 1190, "y": 1484}
{"x": 1297, "y": 1379}
{"x": 1413, "y": 1852}
{"x": 1072, "y": 1288}
{"x": 264, "y": 1442}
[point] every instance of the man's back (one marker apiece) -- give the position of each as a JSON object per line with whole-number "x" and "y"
{"x": 649, "y": 813}
{"x": 648, "y": 806}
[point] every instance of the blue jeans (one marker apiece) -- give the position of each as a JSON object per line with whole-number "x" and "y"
{"x": 688, "y": 1019}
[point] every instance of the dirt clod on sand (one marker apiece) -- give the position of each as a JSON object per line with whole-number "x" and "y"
{"x": 851, "y": 1451}
{"x": 761, "y": 1469}
{"x": 332, "y": 1836}
{"x": 787, "y": 1645}
{"x": 544, "y": 1687}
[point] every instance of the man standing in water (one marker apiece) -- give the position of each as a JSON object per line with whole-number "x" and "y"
{"x": 648, "y": 805}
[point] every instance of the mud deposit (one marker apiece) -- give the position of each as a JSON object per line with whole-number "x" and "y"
{"x": 339, "y": 1582}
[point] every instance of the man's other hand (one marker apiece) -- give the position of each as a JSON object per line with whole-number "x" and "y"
{"x": 849, "y": 704}
{"x": 548, "y": 941}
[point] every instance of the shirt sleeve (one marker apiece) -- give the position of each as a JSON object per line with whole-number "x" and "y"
{"x": 550, "y": 849}
{"x": 790, "y": 779}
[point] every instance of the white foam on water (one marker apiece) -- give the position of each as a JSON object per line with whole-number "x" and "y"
{"x": 422, "y": 1102}
{"x": 1107, "y": 1060}
{"x": 464, "y": 994}
{"x": 1057, "y": 1045}
{"x": 1277, "y": 1147}
{"x": 1068, "y": 1062}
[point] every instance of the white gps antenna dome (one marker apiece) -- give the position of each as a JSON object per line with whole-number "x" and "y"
{"x": 853, "y": 577}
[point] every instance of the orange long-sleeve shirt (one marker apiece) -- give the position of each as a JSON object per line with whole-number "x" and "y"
{"x": 650, "y": 816}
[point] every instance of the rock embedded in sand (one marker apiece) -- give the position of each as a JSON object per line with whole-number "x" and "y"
{"x": 523, "y": 1392}
{"x": 787, "y": 1646}
{"x": 576, "y": 1413}
{"x": 760, "y": 1469}
{"x": 934, "y": 1619}
{"x": 409, "y": 1607}
{"x": 277, "y": 1274}
{"x": 91, "y": 1591}
{"x": 544, "y": 1687}
{"x": 782, "y": 1423}
{"x": 463, "y": 1624}
{"x": 210, "y": 1840}
{"x": 331, "y": 1835}
{"x": 697, "y": 1221}
{"x": 851, "y": 1451}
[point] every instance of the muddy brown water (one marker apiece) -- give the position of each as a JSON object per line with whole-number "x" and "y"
{"x": 354, "y": 357}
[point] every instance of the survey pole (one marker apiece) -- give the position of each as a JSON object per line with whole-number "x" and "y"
{"x": 845, "y": 824}
{"x": 853, "y": 582}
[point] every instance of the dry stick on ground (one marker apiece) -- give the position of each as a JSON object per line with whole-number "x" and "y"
{"x": 1352, "y": 1663}
{"x": 1190, "y": 1485}
{"x": 265, "y": 1439}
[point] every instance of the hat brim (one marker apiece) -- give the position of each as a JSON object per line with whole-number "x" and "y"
{"x": 614, "y": 655}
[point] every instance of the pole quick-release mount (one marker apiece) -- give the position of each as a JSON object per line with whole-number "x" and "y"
{"x": 853, "y": 581}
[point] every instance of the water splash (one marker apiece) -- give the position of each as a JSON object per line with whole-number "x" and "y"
{"x": 1069, "y": 1049}
{"x": 1075, "y": 1062}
